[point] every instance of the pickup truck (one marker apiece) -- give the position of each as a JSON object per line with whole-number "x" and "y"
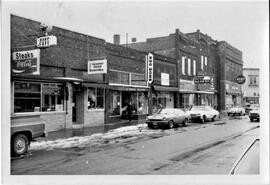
{"x": 25, "y": 129}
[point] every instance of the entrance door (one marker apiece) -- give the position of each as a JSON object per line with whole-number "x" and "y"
{"x": 74, "y": 100}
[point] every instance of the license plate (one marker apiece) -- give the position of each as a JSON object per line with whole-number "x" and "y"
{"x": 154, "y": 123}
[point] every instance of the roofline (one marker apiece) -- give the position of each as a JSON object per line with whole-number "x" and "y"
{"x": 65, "y": 29}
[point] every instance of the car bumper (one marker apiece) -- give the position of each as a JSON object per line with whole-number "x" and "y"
{"x": 254, "y": 117}
{"x": 157, "y": 123}
{"x": 195, "y": 118}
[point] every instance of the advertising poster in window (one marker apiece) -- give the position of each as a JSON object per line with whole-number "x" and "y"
{"x": 26, "y": 62}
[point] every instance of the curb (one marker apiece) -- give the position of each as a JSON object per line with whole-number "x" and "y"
{"x": 208, "y": 145}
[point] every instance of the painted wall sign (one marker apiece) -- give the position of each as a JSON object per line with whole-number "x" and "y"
{"x": 240, "y": 79}
{"x": 97, "y": 66}
{"x": 46, "y": 41}
{"x": 26, "y": 62}
{"x": 150, "y": 68}
{"x": 165, "y": 79}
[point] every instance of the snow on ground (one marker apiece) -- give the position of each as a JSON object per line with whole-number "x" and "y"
{"x": 119, "y": 134}
{"x": 94, "y": 139}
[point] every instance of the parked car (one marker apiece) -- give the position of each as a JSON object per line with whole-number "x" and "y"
{"x": 24, "y": 130}
{"x": 249, "y": 161}
{"x": 254, "y": 114}
{"x": 236, "y": 110}
{"x": 168, "y": 117}
{"x": 203, "y": 113}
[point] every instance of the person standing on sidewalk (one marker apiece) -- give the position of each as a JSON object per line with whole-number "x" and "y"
{"x": 129, "y": 111}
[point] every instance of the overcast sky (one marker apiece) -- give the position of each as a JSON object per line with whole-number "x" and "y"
{"x": 242, "y": 24}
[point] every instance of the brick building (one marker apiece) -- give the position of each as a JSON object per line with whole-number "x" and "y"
{"x": 68, "y": 93}
{"x": 196, "y": 58}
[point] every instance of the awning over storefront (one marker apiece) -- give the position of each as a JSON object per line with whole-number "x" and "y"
{"x": 100, "y": 85}
{"x": 127, "y": 88}
{"x": 198, "y": 92}
{"x": 166, "y": 88}
{"x": 233, "y": 92}
{"x": 71, "y": 79}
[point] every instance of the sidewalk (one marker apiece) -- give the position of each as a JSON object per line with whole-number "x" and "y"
{"x": 87, "y": 131}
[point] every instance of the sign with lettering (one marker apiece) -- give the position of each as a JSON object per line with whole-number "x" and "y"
{"x": 26, "y": 62}
{"x": 203, "y": 79}
{"x": 150, "y": 68}
{"x": 240, "y": 79}
{"x": 46, "y": 41}
{"x": 97, "y": 66}
{"x": 165, "y": 79}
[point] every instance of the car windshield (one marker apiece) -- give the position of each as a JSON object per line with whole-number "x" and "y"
{"x": 165, "y": 111}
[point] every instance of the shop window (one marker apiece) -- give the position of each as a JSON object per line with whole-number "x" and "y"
{"x": 114, "y": 107}
{"x": 142, "y": 103}
{"x": 37, "y": 97}
{"x": 52, "y": 97}
{"x": 95, "y": 98}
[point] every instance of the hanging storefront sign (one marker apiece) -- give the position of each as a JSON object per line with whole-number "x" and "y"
{"x": 46, "y": 41}
{"x": 97, "y": 66}
{"x": 240, "y": 79}
{"x": 150, "y": 68}
{"x": 26, "y": 62}
{"x": 165, "y": 79}
{"x": 203, "y": 79}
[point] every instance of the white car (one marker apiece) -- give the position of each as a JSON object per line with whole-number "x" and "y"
{"x": 203, "y": 113}
{"x": 236, "y": 110}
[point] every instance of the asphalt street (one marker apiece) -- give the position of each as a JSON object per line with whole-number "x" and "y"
{"x": 162, "y": 152}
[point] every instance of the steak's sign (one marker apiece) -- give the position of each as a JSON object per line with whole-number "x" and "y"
{"x": 26, "y": 62}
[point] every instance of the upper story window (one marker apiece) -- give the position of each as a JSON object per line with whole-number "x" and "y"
{"x": 127, "y": 78}
{"x": 38, "y": 97}
{"x": 253, "y": 80}
{"x": 194, "y": 67}
{"x": 183, "y": 65}
{"x": 202, "y": 62}
{"x": 189, "y": 66}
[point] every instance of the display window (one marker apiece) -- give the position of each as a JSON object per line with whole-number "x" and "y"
{"x": 114, "y": 106}
{"x": 95, "y": 98}
{"x": 38, "y": 97}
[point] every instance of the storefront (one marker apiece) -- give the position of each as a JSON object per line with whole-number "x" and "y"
{"x": 233, "y": 94}
{"x": 187, "y": 90}
{"x": 126, "y": 89}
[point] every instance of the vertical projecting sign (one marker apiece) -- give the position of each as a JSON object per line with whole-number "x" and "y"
{"x": 26, "y": 62}
{"x": 150, "y": 68}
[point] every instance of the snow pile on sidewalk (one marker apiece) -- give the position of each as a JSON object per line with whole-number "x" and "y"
{"x": 95, "y": 139}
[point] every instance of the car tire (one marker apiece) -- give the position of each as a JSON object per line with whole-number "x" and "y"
{"x": 185, "y": 122}
{"x": 20, "y": 144}
{"x": 203, "y": 120}
{"x": 251, "y": 119}
{"x": 213, "y": 119}
{"x": 258, "y": 119}
{"x": 170, "y": 124}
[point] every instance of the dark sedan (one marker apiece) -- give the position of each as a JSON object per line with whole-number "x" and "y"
{"x": 168, "y": 117}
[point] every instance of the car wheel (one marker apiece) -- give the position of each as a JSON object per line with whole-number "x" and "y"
{"x": 185, "y": 122}
{"x": 258, "y": 119}
{"x": 170, "y": 124}
{"x": 213, "y": 119}
{"x": 20, "y": 144}
{"x": 251, "y": 119}
{"x": 150, "y": 126}
{"x": 203, "y": 119}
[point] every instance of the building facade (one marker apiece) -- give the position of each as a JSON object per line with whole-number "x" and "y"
{"x": 251, "y": 88}
{"x": 196, "y": 59}
{"x": 83, "y": 81}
